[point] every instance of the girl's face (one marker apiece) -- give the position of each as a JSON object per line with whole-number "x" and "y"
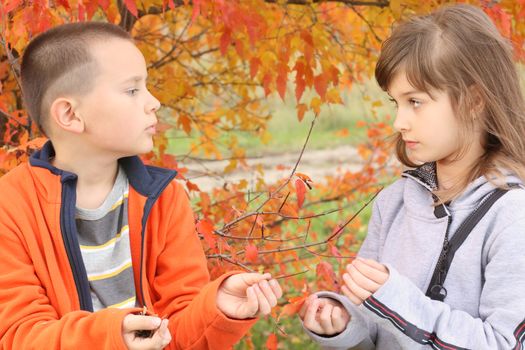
{"x": 429, "y": 126}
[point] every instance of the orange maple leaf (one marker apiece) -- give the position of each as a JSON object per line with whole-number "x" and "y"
{"x": 251, "y": 253}
{"x": 271, "y": 342}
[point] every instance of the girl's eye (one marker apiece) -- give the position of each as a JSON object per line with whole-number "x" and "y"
{"x": 132, "y": 92}
{"x": 415, "y": 103}
{"x": 393, "y": 101}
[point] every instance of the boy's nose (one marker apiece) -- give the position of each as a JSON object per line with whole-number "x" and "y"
{"x": 153, "y": 104}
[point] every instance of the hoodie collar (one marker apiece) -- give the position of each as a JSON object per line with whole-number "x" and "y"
{"x": 146, "y": 180}
{"x": 426, "y": 176}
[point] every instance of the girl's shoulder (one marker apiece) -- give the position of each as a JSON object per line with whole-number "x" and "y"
{"x": 392, "y": 190}
{"x": 391, "y": 196}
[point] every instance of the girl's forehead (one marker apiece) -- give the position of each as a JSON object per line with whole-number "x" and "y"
{"x": 399, "y": 85}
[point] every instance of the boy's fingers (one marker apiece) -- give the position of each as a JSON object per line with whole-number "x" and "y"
{"x": 252, "y": 304}
{"x": 277, "y": 290}
{"x": 133, "y": 323}
{"x": 268, "y": 292}
{"x": 264, "y": 305}
{"x": 164, "y": 331}
{"x": 362, "y": 280}
{"x": 162, "y": 335}
{"x": 254, "y": 277}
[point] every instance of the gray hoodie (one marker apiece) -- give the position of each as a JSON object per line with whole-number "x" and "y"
{"x": 485, "y": 304}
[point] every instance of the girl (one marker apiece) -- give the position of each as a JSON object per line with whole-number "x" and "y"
{"x": 461, "y": 128}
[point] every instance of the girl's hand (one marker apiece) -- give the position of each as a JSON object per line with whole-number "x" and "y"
{"x": 324, "y": 316}
{"x": 363, "y": 278}
{"x": 246, "y": 295}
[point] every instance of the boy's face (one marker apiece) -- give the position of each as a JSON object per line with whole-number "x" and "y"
{"x": 119, "y": 113}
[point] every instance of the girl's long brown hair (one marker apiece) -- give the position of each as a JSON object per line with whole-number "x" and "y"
{"x": 459, "y": 50}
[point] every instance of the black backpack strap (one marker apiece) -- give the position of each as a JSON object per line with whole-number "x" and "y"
{"x": 435, "y": 289}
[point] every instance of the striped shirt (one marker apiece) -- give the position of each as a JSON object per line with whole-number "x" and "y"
{"x": 103, "y": 235}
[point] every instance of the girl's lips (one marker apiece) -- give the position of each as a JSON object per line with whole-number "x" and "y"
{"x": 411, "y": 144}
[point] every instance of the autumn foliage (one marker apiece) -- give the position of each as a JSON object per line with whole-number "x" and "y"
{"x": 212, "y": 64}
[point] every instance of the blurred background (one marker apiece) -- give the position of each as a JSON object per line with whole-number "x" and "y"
{"x": 271, "y": 115}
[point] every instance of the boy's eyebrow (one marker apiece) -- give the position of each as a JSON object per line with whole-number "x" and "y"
{"x": 134, "y": 79}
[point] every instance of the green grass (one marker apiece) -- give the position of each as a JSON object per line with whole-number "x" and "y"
{"x": 288, "y": 134}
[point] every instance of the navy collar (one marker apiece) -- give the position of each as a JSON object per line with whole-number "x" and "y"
{"x": 147, "y": 180}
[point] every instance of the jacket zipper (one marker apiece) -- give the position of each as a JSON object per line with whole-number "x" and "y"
{"x": 69, "y": 236}
{"x": 147, "y": 209}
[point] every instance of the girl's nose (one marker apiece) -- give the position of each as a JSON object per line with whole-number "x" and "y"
{"x": 401, "y": 122}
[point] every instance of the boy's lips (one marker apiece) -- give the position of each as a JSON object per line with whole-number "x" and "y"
{"x": 152, "y": 129}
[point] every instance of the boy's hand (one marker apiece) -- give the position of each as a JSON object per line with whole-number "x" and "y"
{"x": 247, "y": 294}
{"x": 133, "y": 323}
{"x": 363, "y": 278}
{"x": 324, "y": 316}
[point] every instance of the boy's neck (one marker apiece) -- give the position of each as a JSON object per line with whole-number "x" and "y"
{"x": 96, "y": 176}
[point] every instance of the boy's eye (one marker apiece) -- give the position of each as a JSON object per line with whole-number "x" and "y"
{"x": 132, "y": 92}
{"x": 415, "y": 103}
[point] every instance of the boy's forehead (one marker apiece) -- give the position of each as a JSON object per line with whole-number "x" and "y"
{"x": 119, "y": 57}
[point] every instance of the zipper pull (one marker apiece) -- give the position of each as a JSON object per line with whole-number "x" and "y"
{"x": 144, "y": 333}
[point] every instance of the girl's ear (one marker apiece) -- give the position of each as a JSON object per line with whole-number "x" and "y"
{"x": 478, "y": 103}
{"x": 64, "y": 116}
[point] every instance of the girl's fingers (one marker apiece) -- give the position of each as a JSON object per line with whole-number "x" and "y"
{"x": 357, "y": 290}
{"x": 325, "y": 319}
{"x": 310, "y": 320}
{"x": 353, "y": 298}
{"x": 306, "y": 305}
{"x": 362, "y": 280}
{"x": 372, "y": 270}
{"x": 339, "y": 319}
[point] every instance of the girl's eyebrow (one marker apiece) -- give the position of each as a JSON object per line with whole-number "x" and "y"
{"x": 409, "y": 92}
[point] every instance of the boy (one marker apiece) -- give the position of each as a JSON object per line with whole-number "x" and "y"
{"x": 90, "y": 236}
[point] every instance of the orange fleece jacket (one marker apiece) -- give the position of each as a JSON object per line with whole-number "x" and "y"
{"x": 39, "y": 304}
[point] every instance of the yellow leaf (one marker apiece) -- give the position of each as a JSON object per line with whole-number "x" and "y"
{"x": 333, "y": 96}
{"x": 315, "y": 105}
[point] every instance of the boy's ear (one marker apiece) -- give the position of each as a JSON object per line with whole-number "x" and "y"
{"x": 63, "y": 114}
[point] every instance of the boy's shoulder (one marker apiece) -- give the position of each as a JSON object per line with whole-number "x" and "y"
{"x": 17, "y": 176}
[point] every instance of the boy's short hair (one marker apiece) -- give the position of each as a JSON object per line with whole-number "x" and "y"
{"x": 59, "y": 62}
